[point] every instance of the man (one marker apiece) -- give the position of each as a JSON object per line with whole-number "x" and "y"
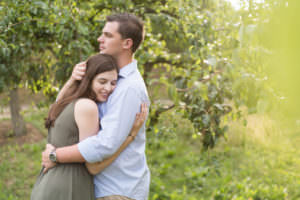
{"x": 128, "y": 177}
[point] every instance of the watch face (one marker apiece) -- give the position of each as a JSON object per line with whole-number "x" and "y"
{"x": 52, "y": 157}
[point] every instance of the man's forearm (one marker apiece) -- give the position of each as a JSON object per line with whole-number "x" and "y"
{"x": 66, "y": 86}
{"x": 69, "y": 154}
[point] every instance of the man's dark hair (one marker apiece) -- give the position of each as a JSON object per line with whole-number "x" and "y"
{"x": 130, "y": 26}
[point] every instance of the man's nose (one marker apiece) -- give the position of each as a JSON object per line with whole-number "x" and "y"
{"x": 100, "y": 39}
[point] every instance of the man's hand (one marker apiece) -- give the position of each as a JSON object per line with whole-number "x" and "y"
{"x": 46, "y": 162}
{"x": 78, "y": 72}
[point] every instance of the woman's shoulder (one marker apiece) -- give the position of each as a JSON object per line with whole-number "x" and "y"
{"x": 85, "y": 105}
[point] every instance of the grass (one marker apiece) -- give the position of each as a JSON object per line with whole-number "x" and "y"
{"x": 18, "y": 170}
{"x": 20, "y": 164}
{"x": 258, "y": 161}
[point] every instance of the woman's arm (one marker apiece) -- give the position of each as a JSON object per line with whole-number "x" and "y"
{"x": 86, "y": 117}
{"x": 65, "y": 88}
{"x": 95, "y": 168}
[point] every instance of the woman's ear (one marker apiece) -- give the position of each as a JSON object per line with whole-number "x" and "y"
{"x": 127, "y": 43}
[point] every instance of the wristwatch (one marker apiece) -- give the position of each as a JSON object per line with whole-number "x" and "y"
{"x": 52, "y": 156}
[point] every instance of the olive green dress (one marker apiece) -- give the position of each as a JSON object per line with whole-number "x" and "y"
{"x": 64, "y": 181}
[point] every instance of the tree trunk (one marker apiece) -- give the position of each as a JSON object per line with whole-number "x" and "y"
{"x": 17, "y": 120}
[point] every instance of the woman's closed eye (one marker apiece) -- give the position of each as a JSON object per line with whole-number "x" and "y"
{"x": 103, "y": 82}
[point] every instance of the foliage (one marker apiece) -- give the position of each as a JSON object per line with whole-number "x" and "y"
{"x": 193, "y": 59}
{"x": 200, "y": 56}
{"x": 188, "y": 58}
{"x": 22, "y": 36}
{"x": 250, "y": 59}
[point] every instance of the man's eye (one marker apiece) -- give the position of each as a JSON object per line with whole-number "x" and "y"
{"x": 108, "y": 35}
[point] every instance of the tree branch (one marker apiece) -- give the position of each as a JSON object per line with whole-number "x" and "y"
{"x": 15, "y": 24}
{"x": 154, "y": 119}
{"x": 203, "y": 80}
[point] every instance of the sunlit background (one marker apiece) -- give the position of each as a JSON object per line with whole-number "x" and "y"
{"x": 238, "y": 4}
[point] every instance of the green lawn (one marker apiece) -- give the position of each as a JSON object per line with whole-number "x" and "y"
{"x": 258, "y": 162}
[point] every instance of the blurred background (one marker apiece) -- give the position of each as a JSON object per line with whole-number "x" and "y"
{"x": 222, "y": 76}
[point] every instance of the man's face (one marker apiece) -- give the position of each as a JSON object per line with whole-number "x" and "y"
{"x": 110, "y": 41}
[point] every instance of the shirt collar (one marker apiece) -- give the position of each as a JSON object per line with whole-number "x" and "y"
{"x": 128, "y": 69}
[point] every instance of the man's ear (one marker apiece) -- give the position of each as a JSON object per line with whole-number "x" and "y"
{"x": 127, "y": 43}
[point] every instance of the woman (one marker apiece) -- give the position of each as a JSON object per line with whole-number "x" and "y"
{"x": 73, "y": 118}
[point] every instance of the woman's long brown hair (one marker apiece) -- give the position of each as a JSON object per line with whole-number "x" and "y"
{"x": 96, "y": 64}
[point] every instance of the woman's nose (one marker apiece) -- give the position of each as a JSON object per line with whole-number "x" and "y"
{"x": 108, "y": 87}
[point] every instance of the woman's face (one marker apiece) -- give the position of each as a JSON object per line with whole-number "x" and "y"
{"x": 103, "y": 84}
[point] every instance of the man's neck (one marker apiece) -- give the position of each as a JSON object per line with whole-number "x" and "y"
{"x": 124, "y": 60}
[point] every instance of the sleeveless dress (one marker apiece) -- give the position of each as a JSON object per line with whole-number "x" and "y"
{"x": 70, "y": 181}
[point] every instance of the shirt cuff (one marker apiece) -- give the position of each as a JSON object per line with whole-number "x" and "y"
{"x": 85, "y": 150}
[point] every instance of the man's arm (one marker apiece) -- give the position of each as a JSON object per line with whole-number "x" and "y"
{"x": 116, "y": 125}
{"x": 95, "y": 168}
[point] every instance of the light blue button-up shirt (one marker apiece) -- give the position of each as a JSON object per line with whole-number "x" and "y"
{"x": 129, "y": 174}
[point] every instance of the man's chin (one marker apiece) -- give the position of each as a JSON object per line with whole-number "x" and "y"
{"x": 102, "y": 51}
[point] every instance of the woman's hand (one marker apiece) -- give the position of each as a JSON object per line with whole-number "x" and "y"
{"x": 139, "y": 120}
{"x": 78, "y": 72}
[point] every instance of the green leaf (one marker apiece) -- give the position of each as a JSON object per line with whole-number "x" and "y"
{"x": 41, "y": 4}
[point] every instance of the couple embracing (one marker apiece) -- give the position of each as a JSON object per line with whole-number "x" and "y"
{"x": 96, "y": 126}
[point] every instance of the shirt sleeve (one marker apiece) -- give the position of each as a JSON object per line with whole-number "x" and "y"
{"x": 116, "y": 125}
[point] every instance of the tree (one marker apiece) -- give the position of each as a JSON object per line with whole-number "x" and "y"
{"x": 190, "y": 44}
{"x": 17, "y": 26}
{"x": 30, "y": 32}
{"x": 185, "y": 58}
